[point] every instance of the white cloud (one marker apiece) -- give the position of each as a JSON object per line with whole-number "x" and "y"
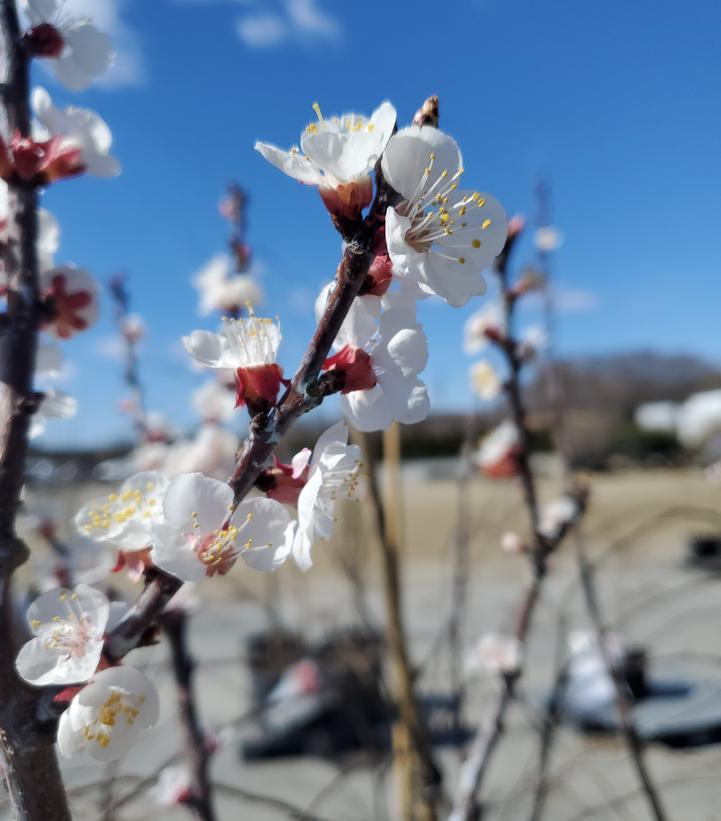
{"x": 307, "y": 17}
{"x": 262, "y": 30}
{"x": 269, "y": 23}
{"x": 108, "y": 16}
{"x": 576, "y": 301}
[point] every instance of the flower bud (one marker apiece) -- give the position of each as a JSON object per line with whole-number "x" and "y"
{"x": 44, "y": 40}
{"x": 257, "y": 387}
{"x": 354, "y": 366}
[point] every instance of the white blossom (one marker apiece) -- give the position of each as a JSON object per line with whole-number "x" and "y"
{"x": 440, "y": 235}
{"x": 557, "y": 514}
{"x": 242, "y": 343}
{"x": 332, "y": 475}
{"x": 82, "y": 52}
{"x": 481, "y": 326}
{"x": 498, "y": 655}
{"x": 54, "y": 405}
{"x": 202, "y": 535}
{"x": 68, "y": 627}
{"x": 484, "y": 380}
{"x": 398, "y": 350}
{"x": 172, "y": 786}
{"x": 337, "y": 150}
{"x": 124, "y": 517}
{"x": 498, "y": 449}
{"x": 83, "y": 128}
{"x": 220, "y": 289}
{"x": 108, "y": 716}
{"x": 213, "y": 402}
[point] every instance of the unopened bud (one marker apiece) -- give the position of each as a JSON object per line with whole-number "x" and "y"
{"x": 354, "y": 366}
{"x": 427, "y": 114}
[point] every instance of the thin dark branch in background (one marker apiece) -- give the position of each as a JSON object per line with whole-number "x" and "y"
{"x": 131, "y": 366}
{"x": 474, "y": 768}
{"x": 196, "y": 751}
{"x": 456, "y": 624}
{"x": 559, "y": 403}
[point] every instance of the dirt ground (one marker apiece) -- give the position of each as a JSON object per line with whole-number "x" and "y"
{"x": 637, "y": 528}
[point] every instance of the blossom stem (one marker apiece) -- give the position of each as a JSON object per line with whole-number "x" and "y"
{"x": 27, "y": 756}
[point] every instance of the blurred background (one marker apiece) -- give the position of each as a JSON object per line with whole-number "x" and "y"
{"x": 597, "y": 122}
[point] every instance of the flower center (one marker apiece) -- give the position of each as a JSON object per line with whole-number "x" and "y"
{"x": 119, "y": 705}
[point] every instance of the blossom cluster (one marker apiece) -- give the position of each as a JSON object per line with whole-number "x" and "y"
{"x": 426, "y": 235}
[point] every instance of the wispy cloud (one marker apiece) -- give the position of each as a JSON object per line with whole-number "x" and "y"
{"x": 271, "y": 23}
{"x": 110, "y": 16}
{"x": 576, "y": 301}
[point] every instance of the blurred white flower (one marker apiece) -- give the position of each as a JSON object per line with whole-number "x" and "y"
{"x": 494, "y": 654}
{"x": 482, "y": 326}
{"x": 68, "y": 627}
{"x": 440, "y": 236}
{"x": 200, "y": 536}
{"x": 72, "y": 295}
{"x": 484, "y": 380}
{"x": 77, "y": 51}
{"x": 213, "y": 402}
{"x": 82, "y": 128}
{"x": 108, "y": 716}
{"x": 211, "y": 451}
{"x": 54, "y": 405}
{"x": 172, "y": 786}
{"x": 338, "y": 155}
{"x": 498, "y": 451}
{"x": 220, "y": 289}
{"x": 332, "y": 474}
{"x": 533, "y": 340}
{"x": 556, "y": 515}
{"x": 125, "y": 517}
{"x": 548, "y": 238}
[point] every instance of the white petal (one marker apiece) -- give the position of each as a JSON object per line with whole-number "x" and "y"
{"x": 367, "y": 410}
{"x": 408, "y": 155}
{"x": 207, "y": 348}
{"x": 292, "y": 163}
{"x": 173, "y": 553}
{"x": 262, "y": 523}
{"x": 194, "y": 493}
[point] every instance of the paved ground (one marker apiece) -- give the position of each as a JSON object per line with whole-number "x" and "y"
{"x": 670, "y": 609}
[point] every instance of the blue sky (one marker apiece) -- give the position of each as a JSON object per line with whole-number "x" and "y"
{"x": 617, "y": 103}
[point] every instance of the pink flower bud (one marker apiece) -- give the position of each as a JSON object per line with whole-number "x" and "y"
{"x": 257, "y": 387}
{"x": 355, "y": 367}
{"x": 44, "y": 40}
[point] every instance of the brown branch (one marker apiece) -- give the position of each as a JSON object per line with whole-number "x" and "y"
{"x": 474, "y": 768}
{"x": 634, "y": 743}
{"x": 197, "y": 752}
{"x": 420, "y": 796}
{"x": 27, "y": 756}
